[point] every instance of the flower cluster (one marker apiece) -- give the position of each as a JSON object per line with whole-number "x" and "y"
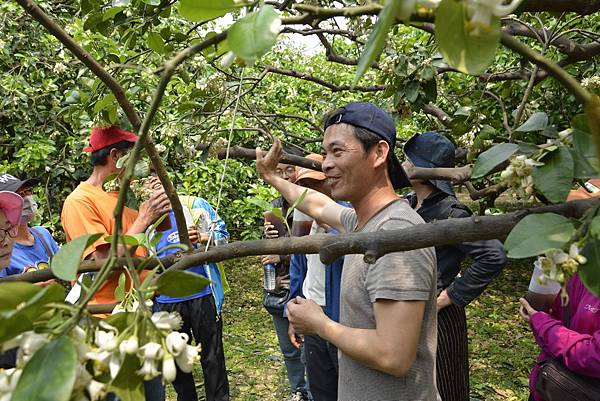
{"x": 101, "y": 354}
{"x": 592, "y": 84}
{"x": 482, "y": 11}
{"x": 518, "y": 175}
{"x": 141, "y": 192}
{"x": 559, "y": 266}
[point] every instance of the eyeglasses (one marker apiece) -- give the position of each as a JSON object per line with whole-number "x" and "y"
{"x": 23, "y": 192}
{"x": 288, "y": 171}
{"x": 11, "y": 232}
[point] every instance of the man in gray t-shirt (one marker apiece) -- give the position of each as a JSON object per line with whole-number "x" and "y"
{"x": 387, "y": 330}
{"x": 398, "y": 276}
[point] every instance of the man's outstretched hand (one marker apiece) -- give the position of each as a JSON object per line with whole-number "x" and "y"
{"x": 266, "y": 165}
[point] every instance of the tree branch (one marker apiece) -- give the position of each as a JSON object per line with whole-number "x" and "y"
{"x": 332, "y": 87}
{"x": 438, "y": 113}
{"x": 372, "y": 245}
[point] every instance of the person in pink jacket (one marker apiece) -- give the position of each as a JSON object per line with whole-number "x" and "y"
{"x": 578, "y": 346}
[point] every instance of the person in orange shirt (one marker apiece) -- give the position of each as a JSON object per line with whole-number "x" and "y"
{"x": 89, "y": 209}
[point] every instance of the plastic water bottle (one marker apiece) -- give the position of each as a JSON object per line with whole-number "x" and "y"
{"x": 269, "y": 277}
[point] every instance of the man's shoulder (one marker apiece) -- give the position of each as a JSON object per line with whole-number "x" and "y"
{"x": 398, "y": 215}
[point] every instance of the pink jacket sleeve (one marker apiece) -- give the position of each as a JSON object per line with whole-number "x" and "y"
{"x": 579, "y": 352}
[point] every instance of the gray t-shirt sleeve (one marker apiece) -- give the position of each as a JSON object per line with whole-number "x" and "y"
{"x": 401, "y": 276}
{"x": 348, "y": 219}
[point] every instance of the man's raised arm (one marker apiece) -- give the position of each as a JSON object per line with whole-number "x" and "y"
{"x": 318, "y": 206}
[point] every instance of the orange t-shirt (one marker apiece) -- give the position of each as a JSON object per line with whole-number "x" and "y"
{"x": 88, "y": 210}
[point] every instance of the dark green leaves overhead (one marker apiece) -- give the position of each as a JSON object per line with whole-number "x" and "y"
{"x": 202, "y": 10}
{"x": 468, "y": 50}
{"x": 493, "y": 157}
{"x": 555, "y": 177}
{"x": 50, "y": 374}
{"x": 538, "y": 233}
{"x": 255, "y": 34}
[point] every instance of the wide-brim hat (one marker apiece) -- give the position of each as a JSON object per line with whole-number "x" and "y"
{"x": 368, "y": 116}
{"x": 307, "y": 173}
{"x": 431, "y": 150}
{"x": 12, "y": 205}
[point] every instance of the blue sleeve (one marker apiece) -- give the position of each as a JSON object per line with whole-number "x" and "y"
{"x": 220, "y": 228}
{"x": 298, "y": 269}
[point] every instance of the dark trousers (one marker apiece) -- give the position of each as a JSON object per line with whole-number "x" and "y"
{"x": 201, "y": 322}
{"x": 452, "y": 361}
{"x": 321, "y": 368}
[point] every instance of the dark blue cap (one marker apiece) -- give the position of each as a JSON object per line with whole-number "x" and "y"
{"x": 429, "y": 150}
{"x": 368, "y": 116}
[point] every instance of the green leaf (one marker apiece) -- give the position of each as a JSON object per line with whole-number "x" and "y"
{"x": 39, "y": 382}
{"x": 254, "y": 35}
{"x": 536, "y": 122}
{"x": 122, "y": 160}
{"x": 412, "y": 91}
{"x": 492, "y": 157}
{"x": 595, "y": 227}
{"x": 66, "y": 261}
{"x": 590, "y": 271}
{"x": 178, "y": 283}
{"x": 538, "y": 233}
{"x": 104, "y": 103}
{"x": 261, "y": 203}
{"x": 128, "y": 385}
{"x": 555, "y": 178}
{"x": 464, "y": 48}
{"x": 129, "y": 239}
{"x": 111, "y": 12}
{"x": 296, "y": 203}
{"x": 277, "y": 212}
{"x": 202, "y": 10}
{"x": 377, "y": 37}
{"x": 120, "y": 290}
{"x": 584, "y": 146}
{"x": 156, "y": 42}
{"x": 582, "y": 168}
{"x": 26, "y": 305}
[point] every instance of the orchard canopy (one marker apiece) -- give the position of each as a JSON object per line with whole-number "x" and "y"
{"x": 514, "y": 84}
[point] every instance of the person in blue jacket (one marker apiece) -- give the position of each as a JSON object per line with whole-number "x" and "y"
{"x": 311, "y": 279}
{"x": 200, "y": 312}
{"x": 34, "y": 246}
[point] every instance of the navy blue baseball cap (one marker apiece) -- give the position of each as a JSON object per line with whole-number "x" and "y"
{"x": 430, "y": 150}
{"x": 370, "y": 117}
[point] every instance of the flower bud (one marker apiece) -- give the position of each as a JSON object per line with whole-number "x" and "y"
{"x": 129, "y": 346}
{"x": 169, "y": 371}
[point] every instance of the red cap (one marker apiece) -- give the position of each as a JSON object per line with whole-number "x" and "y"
{"x": 102, "y": 137}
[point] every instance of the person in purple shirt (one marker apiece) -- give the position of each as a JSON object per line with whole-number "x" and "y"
{"x": 578, "y": 346}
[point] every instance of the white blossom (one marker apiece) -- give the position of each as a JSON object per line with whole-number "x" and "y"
{"x": 167, "y": 320}
{"x": 482, "y": 11}
{"x": 96, "y": 390}
{"x": 106, "y": 340}
{"x": 187, "y": 358}
{"x": 176, "y": 342}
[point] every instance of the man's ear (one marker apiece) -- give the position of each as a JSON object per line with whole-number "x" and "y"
{"x": 115, "y": 155}
{"x": 381, "y": 151}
